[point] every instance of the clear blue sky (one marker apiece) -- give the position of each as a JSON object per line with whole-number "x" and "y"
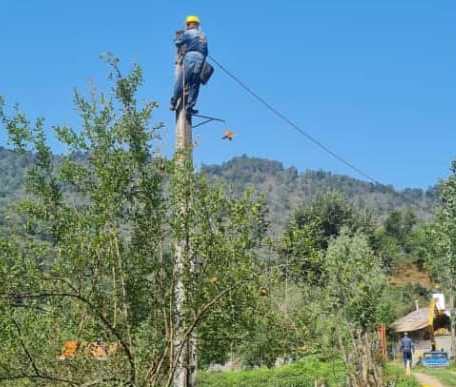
{"x": 372, "y": 79}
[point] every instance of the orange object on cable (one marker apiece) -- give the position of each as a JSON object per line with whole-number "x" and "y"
{"x": 228, "y": 135}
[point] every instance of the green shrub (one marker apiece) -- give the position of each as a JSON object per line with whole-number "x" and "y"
{"x": 300, "y": 374}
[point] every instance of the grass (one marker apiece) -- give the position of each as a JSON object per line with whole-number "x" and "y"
{"x": 445, "y": 375}
{"x": 300, "y": 374}
{"x": 395, "y": 376}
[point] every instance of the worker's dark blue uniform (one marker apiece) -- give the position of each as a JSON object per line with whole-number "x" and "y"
{"x": 407, "y": 347}
{"x": 193, "y": 44}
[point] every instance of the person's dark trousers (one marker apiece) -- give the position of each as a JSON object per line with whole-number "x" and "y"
{"x": 192, "y": 66}
{"x": 407, "y": 357}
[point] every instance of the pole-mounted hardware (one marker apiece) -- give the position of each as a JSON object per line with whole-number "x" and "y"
{"x": 206, "y": 120}
{"x": 227, "y": 134}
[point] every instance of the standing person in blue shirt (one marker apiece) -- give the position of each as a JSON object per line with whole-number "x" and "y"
{"x": 192, "y": 52}
{"x": 407, "y": 347}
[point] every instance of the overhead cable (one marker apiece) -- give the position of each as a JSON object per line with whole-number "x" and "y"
{"x": 293, "y": 124}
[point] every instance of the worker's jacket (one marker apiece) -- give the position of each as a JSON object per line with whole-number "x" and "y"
{"x": 407, "y": 344}
{"x": 192, "y": 40}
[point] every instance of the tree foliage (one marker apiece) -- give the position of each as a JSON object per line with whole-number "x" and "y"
{"x": 98, "y": 265}
{"x": 355, "y": 284}
{"x": 88, "y": 253}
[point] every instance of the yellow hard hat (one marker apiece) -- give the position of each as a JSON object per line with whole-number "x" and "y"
{"x": 192, "y": 19}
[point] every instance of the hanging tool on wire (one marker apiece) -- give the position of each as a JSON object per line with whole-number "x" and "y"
{"x": 227, "y": 134}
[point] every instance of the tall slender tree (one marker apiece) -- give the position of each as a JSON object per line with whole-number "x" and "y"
{"x": 441, "y": 249}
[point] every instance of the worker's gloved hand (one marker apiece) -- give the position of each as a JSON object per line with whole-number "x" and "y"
{"x": 179, "y": 33}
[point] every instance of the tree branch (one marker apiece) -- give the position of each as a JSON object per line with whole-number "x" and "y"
{"x": 103, "y": 319}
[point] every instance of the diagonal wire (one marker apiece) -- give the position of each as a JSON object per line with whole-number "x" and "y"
{"x": 293, "y": 124}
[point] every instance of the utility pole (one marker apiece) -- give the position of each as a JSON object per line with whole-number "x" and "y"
{"x": 183, "y": 135}
{"x": 184, "y": 348}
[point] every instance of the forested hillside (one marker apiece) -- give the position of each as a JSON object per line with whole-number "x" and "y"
{"x": 285, "y": 189}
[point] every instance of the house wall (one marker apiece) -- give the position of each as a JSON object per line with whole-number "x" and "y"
{"x": 443, "y": 342}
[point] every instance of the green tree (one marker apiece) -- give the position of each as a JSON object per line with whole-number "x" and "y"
{"x": 354, "y": 288}
{"x": 400, "y": 239}
{"x": 399, "y": 225}
{"x": 310, "y": 231}
{"x": 441, "y": 247}
{"x": 98, "y": 265}
{"x": 330, "y": 212}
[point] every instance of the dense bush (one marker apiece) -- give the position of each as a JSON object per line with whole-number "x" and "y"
{"x": 301, "y": 374}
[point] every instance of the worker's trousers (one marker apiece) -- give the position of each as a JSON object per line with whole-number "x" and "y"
{"x": 407, "y": 356}
{"x": 190, "y": 75}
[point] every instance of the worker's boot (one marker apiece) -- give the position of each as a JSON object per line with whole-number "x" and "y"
{"x": 190, "y": 113}
{"x": 172, "y": 104}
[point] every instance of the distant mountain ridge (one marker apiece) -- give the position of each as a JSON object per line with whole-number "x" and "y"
{"x": 284, "y": 188}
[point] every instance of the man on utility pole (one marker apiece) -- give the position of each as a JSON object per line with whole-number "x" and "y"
{"x": 191, "y": 57}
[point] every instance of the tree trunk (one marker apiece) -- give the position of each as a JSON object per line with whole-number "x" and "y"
{"x": 453, "y": 325}
{"x": 361, "y": 361}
